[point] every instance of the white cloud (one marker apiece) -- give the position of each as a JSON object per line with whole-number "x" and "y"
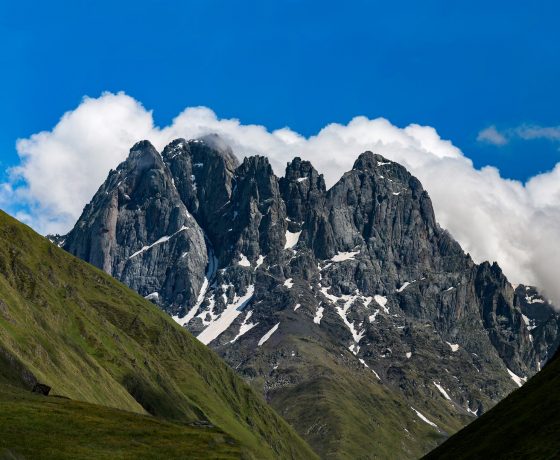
{"x": 525, "y": 132}
{"x": 528, "y": 132}
{"x": 492, "y": 217}
{"x": 492, "y": 136}
{"x": 62, "y": 168}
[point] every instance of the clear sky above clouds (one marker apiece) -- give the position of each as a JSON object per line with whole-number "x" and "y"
{"x": 445, "y": 89}
{"x": 458, "y": 66}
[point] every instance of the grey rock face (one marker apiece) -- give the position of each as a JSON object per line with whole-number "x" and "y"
{"x": 137, "y": 229}
{"x": 303, "y": 190}
{"x": 204, "y": 178}
{"x": 542, "y": 321}
{"x": 265, "y": 269}
{"x": 256, "y": 212}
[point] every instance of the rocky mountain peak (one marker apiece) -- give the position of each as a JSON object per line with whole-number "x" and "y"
{"x": 256, "y": 210}
{"x": 137, "y": 217}
{"x": 143, "y": 155}
{"x": 176, "y": 147}
{"x": 369, "y": 161}
{"x": 255, "y": 166}
{"x": 218, "y": 144}
{"x": 302, "y": 189}
{"x": 299, "y": 287}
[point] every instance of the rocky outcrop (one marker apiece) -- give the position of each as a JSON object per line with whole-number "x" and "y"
{"x": 137, "y": 229}
{"x": 542, "y": 320}
{"x": 307, "y": 291}
{"x": 203, "y": 173}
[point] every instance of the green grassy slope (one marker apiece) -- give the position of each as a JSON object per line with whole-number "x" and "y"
{"x": 71, "y": 326}
{"x": 34, "y": 426}
{"x": 526, "y": 424}
{"x": 345, "y": 412}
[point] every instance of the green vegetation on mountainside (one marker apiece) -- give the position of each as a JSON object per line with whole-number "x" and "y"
{"x": 39, "y": 427}
{"x": 350, "y": 410}
{"x": 76, "y": 329}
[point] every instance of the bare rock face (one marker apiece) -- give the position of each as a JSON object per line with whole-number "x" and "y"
{"x": 257, "y": 212}
{"x": 542, "y": 320}
{"x": 137, "y": 229}
{"x": 203, "y": 173}
{"x": 309, "y": 293}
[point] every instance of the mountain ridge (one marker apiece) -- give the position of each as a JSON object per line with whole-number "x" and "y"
{"x": 357, "y": 278}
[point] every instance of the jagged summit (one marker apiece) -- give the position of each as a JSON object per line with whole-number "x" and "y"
{"x": 217, "y": 143}
{"x": 143, "y": 145}
{"x": 302, "y": 189}
{"x": 351, "y": 299}
{"x": 369, "y": 161}
{"x": 143, "y": 155}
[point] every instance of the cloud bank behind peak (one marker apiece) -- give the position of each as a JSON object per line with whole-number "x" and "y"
{"x": 515, "y": 224}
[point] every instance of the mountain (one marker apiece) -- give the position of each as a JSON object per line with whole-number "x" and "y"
{"x": 360, "y": 320}
{"x": 132, "y": 374}
{"x": 524, "y": 425}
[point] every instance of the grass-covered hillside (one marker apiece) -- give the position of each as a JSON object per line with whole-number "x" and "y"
{"x": 353, "y": 414}
{"x": 525, "y": 425}
{"x": 37, "y": 427}
{"x": 68, "y": 325}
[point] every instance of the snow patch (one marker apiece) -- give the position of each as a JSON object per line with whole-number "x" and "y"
{"x": 442, "y": 391}
{"x": 260, "y": 261}
{"x": 163, "y": 239}
{"x": 423, "y": 418}
{"x": 365, "y": 364}
{"x": 296, "y": 306}
{"x": 228, "y": 316}
{"x": 152, "y": 296}
{"x": 533, "y": 299}
{"x": 382, "y": 302}
{"x": 291, "y": 239}
{"x": 518, "y": 380}
{"x": 245, "y": 326}
{"x": 210, "y": 272}
{"x": 289, "y": 283}
{"x": 268, "y": 335}
{"x": 470, "y": 411}
{"x": 342, "y": 256}
{"x": 454, "y": 346}
{"x": 243, "y": 261}
{"x": 342, "y": 311}
{"x": 325, "y": 267}
{"x": 405, "y": 285}
{"x": 372, "y": 317}
{"x": 366, "y": 301}
{"x": 408, "y": 355}
{"x": 318, "y": 315}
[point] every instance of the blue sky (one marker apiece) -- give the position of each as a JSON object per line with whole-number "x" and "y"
{"x": 483, "y": 74}
{"x": 294, "y": 63}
